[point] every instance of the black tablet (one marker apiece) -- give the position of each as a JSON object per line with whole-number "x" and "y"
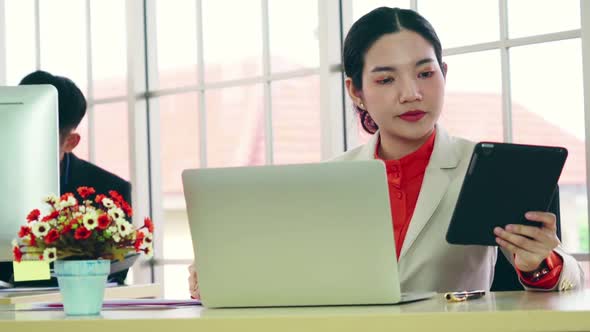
{"x": 503, "y": 182}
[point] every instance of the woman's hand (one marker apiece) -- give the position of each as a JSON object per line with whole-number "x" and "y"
{"x": 531, "y": 245}
{"x": 193, "y": 282}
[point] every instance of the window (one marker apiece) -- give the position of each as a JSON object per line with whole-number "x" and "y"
{"x": 230, "y": 83}
{"x": 473, "y": 98}
{"x": 553, "y": 114}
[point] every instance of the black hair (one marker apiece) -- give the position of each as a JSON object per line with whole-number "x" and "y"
{"x": 367, "y": 30}
{"x": 72, "y": 104}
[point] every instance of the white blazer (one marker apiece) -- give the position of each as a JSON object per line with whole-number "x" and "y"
{"x": 427, "y": 262}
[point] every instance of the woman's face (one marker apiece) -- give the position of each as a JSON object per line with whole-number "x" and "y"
{"x": 403, "y": 86}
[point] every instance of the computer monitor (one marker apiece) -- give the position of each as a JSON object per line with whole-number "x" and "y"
{"x": 29, "y": 146}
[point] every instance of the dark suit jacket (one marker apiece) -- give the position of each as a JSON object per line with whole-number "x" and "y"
{"x": 82, "y": 173}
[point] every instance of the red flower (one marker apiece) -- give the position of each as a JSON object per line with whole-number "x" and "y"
{"x": 138, "y": 241}
{"x": 85, "y": 191}
{"x": 116, "y": 196}
{"x": 24, "y": 231}
{"x": 99, "y": 198}
{"x": 18, "y": 255}
{"x": 82, "y": 233}
{"x": 52, "y": 236}
{"x": 65, "y": 197}
{"x": 103, "y": 221}
{"x": 32, "y": 240}
{"x": 66, "y": 228}
{"x": 34, "y": 215}
{"x": 52, "y": 215}
{"x": 147, "y": 222}
{"x": 127, "y": 208}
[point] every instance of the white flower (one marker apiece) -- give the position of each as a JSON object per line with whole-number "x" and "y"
{"x": 148, "y": 239}
{"x": 50, "y": 254}
{"x": 149, "y": 251}
{"x": 124, "y": 227}
{"x": 90, "y": 220}
{"x": 82, "y": 209}
{"x": 108, "y": 203}
{"x": 116, "y": 213}
{"x": 50, "y": 199}
{"x": 71, "y": 201}
{"x": 14, "y": 243}
{"x": 113, "y": 230}
{"x": 116, "y": 237}
{"x": 40, "y": 229}
{"x": 52, "y": 222}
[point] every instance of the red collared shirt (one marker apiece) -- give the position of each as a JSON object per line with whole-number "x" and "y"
{"x": 404, "y": 179}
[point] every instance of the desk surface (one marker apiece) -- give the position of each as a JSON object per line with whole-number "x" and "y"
{"x": 508, "y": 311}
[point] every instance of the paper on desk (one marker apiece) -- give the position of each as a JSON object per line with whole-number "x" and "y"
{"x": 31, "y": 270}
{"x": 135, "y": 303}
{"x": 28, "y": 289}
{"x": 125, "y": 304}
{"x": 39, "y": 289}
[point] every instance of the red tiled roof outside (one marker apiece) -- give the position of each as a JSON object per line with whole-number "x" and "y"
{"x": 235, "y": 128}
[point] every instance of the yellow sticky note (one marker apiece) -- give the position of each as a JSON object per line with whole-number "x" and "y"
{"x": 31, "y": 270}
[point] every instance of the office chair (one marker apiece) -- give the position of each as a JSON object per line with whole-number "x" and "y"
{"x": 505, "y": 278}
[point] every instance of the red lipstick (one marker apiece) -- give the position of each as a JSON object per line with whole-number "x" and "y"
{"x": 413, "y": 115}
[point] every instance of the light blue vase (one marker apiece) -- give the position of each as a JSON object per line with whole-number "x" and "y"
{"x": 82, "y": 284}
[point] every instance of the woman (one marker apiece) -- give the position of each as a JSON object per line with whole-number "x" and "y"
{"x": 396, "y": 80}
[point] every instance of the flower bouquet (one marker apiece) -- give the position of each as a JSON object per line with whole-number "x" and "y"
{"x": 82, "y": 237}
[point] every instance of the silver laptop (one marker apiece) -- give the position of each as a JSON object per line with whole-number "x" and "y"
{"x": 294, "y": 235}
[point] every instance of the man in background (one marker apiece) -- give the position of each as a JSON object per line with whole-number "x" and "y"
{"x": 75, "y": 172}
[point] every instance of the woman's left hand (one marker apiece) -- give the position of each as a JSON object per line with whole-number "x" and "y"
{"x": 531, "y": 245}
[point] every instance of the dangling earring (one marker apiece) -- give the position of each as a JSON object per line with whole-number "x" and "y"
{"x": 369, "y": 124}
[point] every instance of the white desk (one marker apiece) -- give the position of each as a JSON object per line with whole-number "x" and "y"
{"x": 510, "y": 311}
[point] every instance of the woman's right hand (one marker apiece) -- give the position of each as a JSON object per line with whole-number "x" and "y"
{"x": 193, "y": 282}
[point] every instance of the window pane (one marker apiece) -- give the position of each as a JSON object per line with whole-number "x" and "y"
{"x": 20, "y": 39}
{"x": 235, "y": 127}
{"x": 548, "y": 109}
{"x": 176, "y": 281}
{"x": 63, "y": 41}
{"x": 111, "y": 137}
{"x": 473, "y": 98}
{"x": 176, "y": 30}
{"x": 293, "y": 34}
{"x": 179, "y": 127}
{"x": 232, "y": 33}
{"x": 549, "y": 16}
{"x": 179, "y": 148}
{"x": 109, "y": 48}
{"x": 457, "y": 28}
{"x": 361, "y": 7}
{"x": 296, "y": 120}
